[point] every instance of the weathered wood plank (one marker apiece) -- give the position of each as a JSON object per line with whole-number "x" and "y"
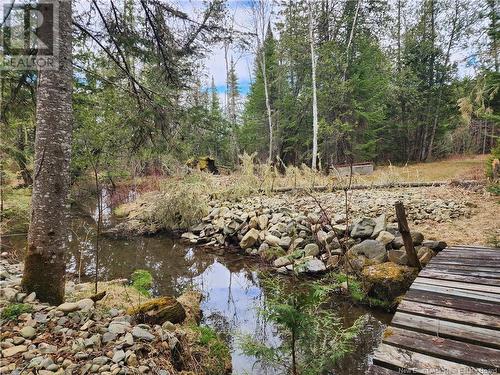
{"x": 459, "y": 285}
{"x": 462, "y": 332}
{"x": 378, "y": 370}
{"x": 452, "y": 350}
{"x": 462, "y": 271}
{"x": 450, "y": 313}
{"x": 401, "y": 359}
{"x": 466, "y": 257}
{"x": 429, "y": 273}
{"x": 480, "y": 264}
{"x": 452, "y": 302}
{"x": 482, "y": 296}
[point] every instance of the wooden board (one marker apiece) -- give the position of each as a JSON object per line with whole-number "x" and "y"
{"x": 456, "y": 351}
{"x": 449, "y": 320}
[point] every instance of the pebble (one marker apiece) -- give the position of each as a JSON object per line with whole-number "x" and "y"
{"x": 9, "y": 352}
{"x": 142, "y": 334}
{"x": 28, "y": 332}
{"x": 118, "y": 356}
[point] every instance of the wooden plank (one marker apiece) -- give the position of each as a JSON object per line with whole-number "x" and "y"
{"x": 494, "y": 267}
{"x": 451, "y": 314}
{"x": 378, "y": 370}
{"x": 401, "y": 359}
{"x": 464, "y": 271}
{"x": 459, "y": 285}
{"x": 482, "y": 296}
{"x": 429, "y": 273}
{"x": 488, "y": 258}
{"x": 452, "y": 302}
{"x": 462, "y": 332}
{"x": 452, "y": 350}
{"x": 474, "y": 247}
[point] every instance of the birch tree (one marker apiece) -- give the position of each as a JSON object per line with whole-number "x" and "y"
{"x": 314, "y": 98}
{"x": 44, "y": 266}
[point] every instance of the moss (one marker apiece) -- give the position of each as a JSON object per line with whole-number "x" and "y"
{"x": 158, "y": 311}
{"x": 17, "y": 203}
{"x": 386, "y": 271}
{"x": 272, "y": 253}
{"x": 13, "y": 310}
{"x": 142, "y": 281}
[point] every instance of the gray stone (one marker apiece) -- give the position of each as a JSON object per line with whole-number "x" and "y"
{"x": 398, "y": 256}
{"x": 397, "y": 243}
{"x": 311, "y": 249}
{"x": 102, "y": 360}
{"x": 85, "y": 304}
{"x": 46, "y": 362}
{"x": 371, "y": 249}
{"x": 68, "y": 307}
{"x": 282, "y": 261}
{"x": 363, "y": 228}
{"x": 272, "y": 240}
{"x": 118, "y": 327}
{"x": 311, "y": 265}
{"x": 142, "y": 334}
{"x": 285, "y": 242}
{"x": 30, "y": 298}
{"x": 385, "y": 237}
{"x": 45, "y": 348}
{"x": 8, "y": 293}
{"x": 380, "y": 225}
{"x": 118, "y": 356}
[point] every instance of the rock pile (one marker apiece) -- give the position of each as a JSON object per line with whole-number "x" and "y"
{"x": 76, "y": 337}
{"x": 307, "y": 241}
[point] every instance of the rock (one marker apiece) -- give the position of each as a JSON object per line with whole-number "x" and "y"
{"x": 435, "y": 246}
{"x": 311, "y": 250}
{"x": 108, "y": 337}
{"x": 285, "y": 242}
{"x": 363, "y": 228}
{"x": 417, "y": 238}
{"x": 295, "y": 244}
{"x": 310, "y": 265}
{"x": 68, "y": 307}
{"x": 398, "y": 256}
{"x": 254, "y": 222}
{"x": 118, "y": 356}
{"x": 282, "y": 261}
{"x": 45, "y": 363}
{"x": 101, "y": 361}
{"x": 263, "y": 247}
{"x": 9, "y": 352}
{"x": 397, "y": 243}
{"x": 333, "y": 261}
{"x": 128, "y": 340}
{"x": 132, "y": 360}
{"x": 386, "y": 281}
{"x": 249, "y": 239}
{"x": 159, "y": 310}
{"x": 371, "y": 249}
{"x": 45, "y": 348}
{"x": 8, "y": 293}
{"x": 28, "y": 332}
{"x": 20, "y": 297}
{"x": 118, "y": 328}
{"x": 142, "y": 334}
{"x": 87, "y": 325}
{"x": 380, "y": 225}
{"x": 30, "y": 298}
{"x": 263, "y": 221}
{"x": 190, "y": 236}
{"x": 385, "y": 237}
{"x": 272, "y": 240}
{"x": 143, "y": 369}
{"x": 85, "y": 305}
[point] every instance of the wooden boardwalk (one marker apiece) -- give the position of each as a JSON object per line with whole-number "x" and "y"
{"x": 449, "y": 320}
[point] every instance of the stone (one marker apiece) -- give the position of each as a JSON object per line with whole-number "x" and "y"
{"x": 118, "y": 327}
{"x": 85, "y": 305}
{"x": 311, "y": 249}
{"x": 435, "y": 246}
{"x": 128, "y": 340}
{"x": 363, "y": 228}
{"x": 68, "y": 307}
{"x": 8, "y": 293}
{"x": 263, "y": 247}
{"x": 12, "y": 351}
{"x": 285, "y": 242}
{"x": 143, "y": 369}
{"x": 282, "y": 261}
{"x": 295, "y": 244}
{"x": 424, "y": 255}
{"x": 311, "y": 265}
{"x": 45, "y": 348}
{"x": 142, "y": 334}
{"x": 333, "y": 261}
{"x": 108, "y": 337}
{"x": 397, "y": 242}
{"x": 263, "y": 221}
{"x": 45, "y": 363}
{"x": 101, "y": 361}
{"x": 386, "y": 281}
{"x": 132, "y": 360}
{"x": 417, "y": 238}
{"x": 380, "y": 225}
{"x": 249, "y": 239}
{"x": 118, "y": 356}
{"x": 30, "y": 298}
{"x": 272, "y": 240}
{"x": 28, "y": 332}
{"x": 385, "y": 237}
{"x": 20, "y": 297}
{"x": 371, "y": 249}
{"x": 398, "y": 256}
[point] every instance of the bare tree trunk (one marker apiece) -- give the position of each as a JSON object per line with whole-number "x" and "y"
{"x": 268, "y": 108}
{"x": 44, "y": 267}
{"x": 315, "y": 101}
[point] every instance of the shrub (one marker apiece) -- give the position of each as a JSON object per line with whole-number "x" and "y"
{"x": 218, "y": 357}
{"x": 13, "y": 310}
{"x": 142, "y": 281}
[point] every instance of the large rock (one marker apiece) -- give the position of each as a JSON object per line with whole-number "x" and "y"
{"x": 371, "y": 249}
{"x": 398, "y": 256}
{"x": 249, "y": 239}
{"x": 311, "y": 249}
{"x": 282, "y": 261}
{"x": 68, "y": 307}
{"x": 386, "y": 281}
{"x": 263, "y": 221}
{"x": 159, "y": 310}
{"x": 310, "y": 265}
{"x": 417, "y": 238}
{"x": 435, "y": 246}
{"x": 272, "y": 240}
{"x": 385, "y": 237}
{"x": 363, "y": 228}
{"x": 380, "y": 225}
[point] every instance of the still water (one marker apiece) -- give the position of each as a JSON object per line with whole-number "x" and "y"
{"x": 230, "y": 285}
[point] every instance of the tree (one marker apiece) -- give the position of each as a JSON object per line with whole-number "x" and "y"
{"x": 44, "y": 267}
{"x": 314, "y": 100}
{"x": 233, "y": 94}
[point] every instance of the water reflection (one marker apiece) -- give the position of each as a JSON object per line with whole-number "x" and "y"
{"x": 230, "y": 285}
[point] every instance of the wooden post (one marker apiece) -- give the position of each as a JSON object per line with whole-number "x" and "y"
{"x": 404, "y": 229}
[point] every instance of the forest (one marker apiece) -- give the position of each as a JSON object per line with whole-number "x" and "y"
{"x": 250, "y": 187}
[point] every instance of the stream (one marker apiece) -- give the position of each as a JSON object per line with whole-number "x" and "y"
{"x": 230, "y": 285}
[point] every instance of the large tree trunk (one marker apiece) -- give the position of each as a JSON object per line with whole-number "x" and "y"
{"x": 44, "y": 269}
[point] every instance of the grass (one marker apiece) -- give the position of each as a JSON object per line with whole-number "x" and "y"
{"x": 218, "y": 352}
{"x": 356, "y": 290}
{"x": 17, "y": 207}
{"x": 142, "y": 281}
{"x": 13, "y": 310}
